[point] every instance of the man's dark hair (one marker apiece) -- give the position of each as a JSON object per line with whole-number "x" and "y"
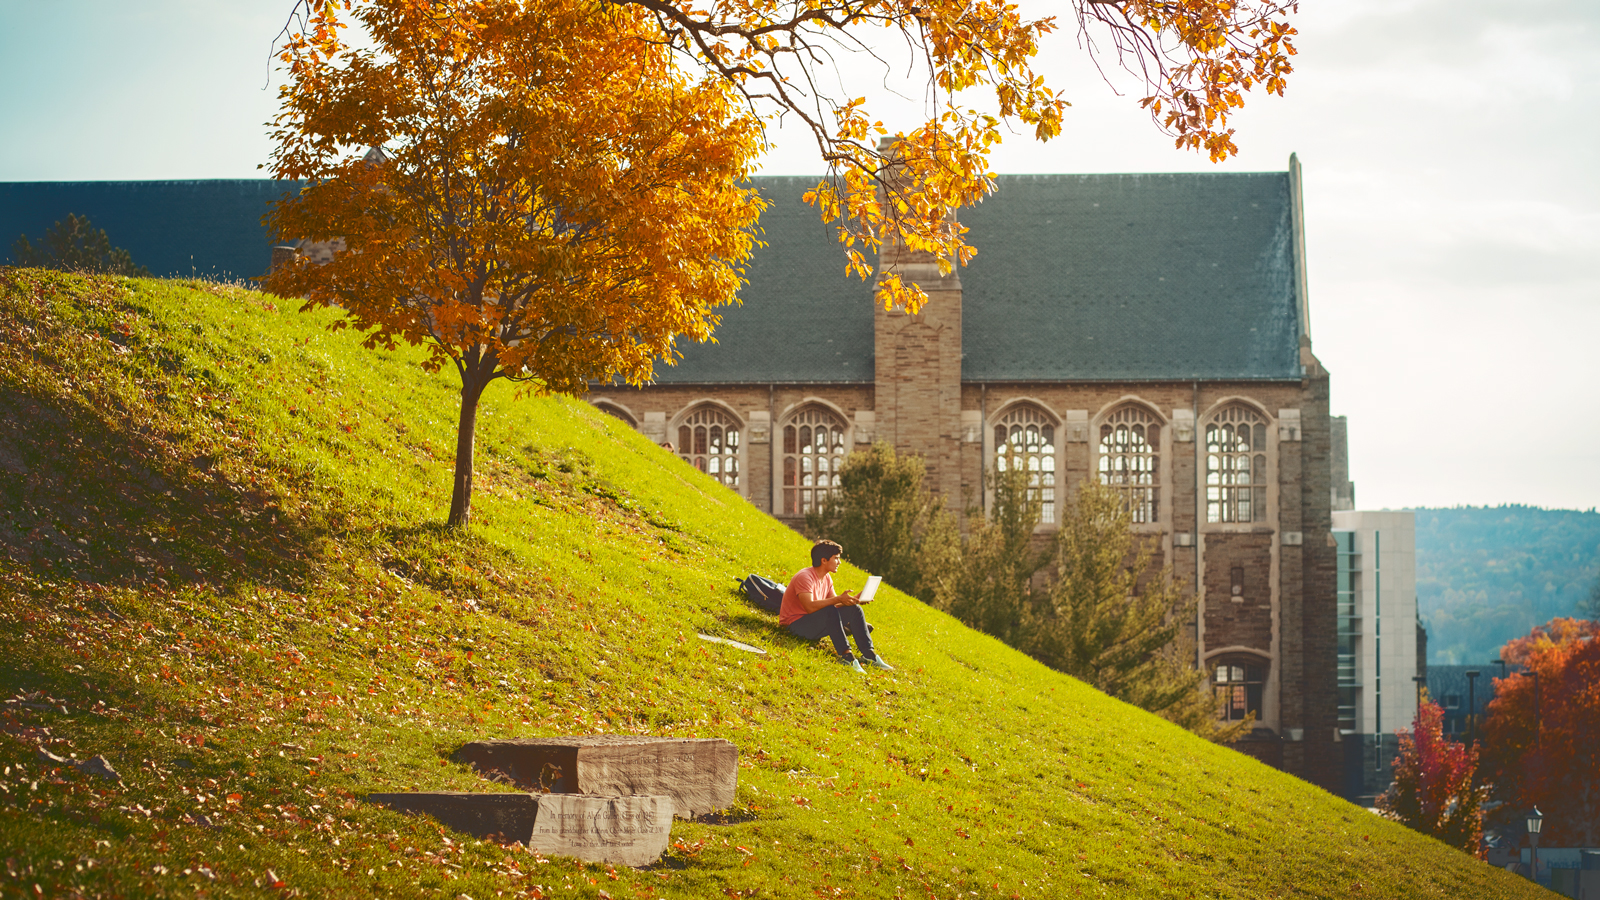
{"x": 822, "y": 550}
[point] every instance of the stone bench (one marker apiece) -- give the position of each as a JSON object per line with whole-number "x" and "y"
{"x": 629, "y": 831}
{"x": 602, "y": 798}
{"x": 699, "y": 774}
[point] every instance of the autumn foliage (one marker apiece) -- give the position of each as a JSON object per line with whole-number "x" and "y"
{"x": 556, "y": 201}
{"x": 1542, "y": 736}
{"x": 1196, "y": 58}
{"x": 1435, "y": 788}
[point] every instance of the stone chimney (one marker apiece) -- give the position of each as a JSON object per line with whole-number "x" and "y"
{"x": 918, "y": 367}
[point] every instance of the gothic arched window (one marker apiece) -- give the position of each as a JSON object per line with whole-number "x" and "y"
{"x": 617, "y": 412}
{"x": 1130, "y": 461}
{"x": 813, "y": 450}
{"x": 708, "y": 439}
{"x": 1236, "y": 466}
{"x": 1238, "y": 683}
{"x": 1025, "y": 439}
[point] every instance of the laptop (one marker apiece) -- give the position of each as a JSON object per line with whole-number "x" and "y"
{"x": 872, "y": 588}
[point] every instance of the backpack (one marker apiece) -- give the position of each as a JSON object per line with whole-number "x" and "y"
{"x": 763, "y": 592}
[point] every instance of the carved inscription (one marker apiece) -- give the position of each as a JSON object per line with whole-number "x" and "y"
{"x": 629, "y": 831}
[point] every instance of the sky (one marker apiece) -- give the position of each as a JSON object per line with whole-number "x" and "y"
{"x": 1452, "y": 196}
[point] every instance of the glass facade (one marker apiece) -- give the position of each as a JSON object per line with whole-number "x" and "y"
{"x": 1349, "y": 613}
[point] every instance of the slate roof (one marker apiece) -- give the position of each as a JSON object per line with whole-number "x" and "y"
{"x": 1077, "y": 278}
{"x": 802, "y": 320}
{"x": 174, "y": 228}
{"x": 1132, "y": 277}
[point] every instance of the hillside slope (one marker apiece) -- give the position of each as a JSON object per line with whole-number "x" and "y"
{"x": 224, "y": 573}
{"x": 1486, "y": 575}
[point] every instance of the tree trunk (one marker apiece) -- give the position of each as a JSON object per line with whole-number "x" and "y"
{"x": 472, "y": 385}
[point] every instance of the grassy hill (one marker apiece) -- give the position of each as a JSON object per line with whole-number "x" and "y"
{"x": 1488, "y": 574}
{"x": 223, "y": 571}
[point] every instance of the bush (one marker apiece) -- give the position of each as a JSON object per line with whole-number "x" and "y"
{"x": 73, "y": 245}
{"x": 1107, "y": 618}
{"x": 888, "y": 523}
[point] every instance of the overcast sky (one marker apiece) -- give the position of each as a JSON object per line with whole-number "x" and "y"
{"x": 1451, "y": 190}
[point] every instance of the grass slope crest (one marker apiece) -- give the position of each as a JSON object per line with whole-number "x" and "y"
{"x": 223, "y": 571}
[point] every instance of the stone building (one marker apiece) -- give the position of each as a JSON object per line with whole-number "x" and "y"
{"x": 1148, "y": 330}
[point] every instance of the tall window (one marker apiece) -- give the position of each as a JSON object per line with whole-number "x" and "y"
{"x": 813, "y": 450}
{"x": 1025, "y": 439}
{"x": 1236, "y": 466}
{"x": 1130, "y": 444}
{"x": 1238, "y": 684}
{"x": 709, "y": 440}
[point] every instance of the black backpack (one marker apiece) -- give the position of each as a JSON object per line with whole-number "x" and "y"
{"x": 763, "y": 592}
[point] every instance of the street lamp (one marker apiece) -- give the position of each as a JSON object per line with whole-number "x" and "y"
{"x": 1472, "y": 704}
{"x": 1502, "y": 664}
{"x": 1535, "y": 825}
{"x": 1422, "y": 682}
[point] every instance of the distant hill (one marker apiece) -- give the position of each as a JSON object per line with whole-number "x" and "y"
{"x": 1486, "y": 575}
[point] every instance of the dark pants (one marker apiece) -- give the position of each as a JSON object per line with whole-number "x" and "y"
{"x": 835, "y": 622}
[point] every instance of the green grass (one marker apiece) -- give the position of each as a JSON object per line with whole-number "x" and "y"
{"x": 224, "y": 571}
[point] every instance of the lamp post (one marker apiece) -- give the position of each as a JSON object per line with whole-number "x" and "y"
{"x": 1472, "y": 704}
{"x": 1422, "y": 682}
{"x": 1502, "y": 664}
{"x": 1535, "y": 825}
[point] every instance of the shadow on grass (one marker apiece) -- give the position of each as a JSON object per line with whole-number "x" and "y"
{"x": 88, "y": 495}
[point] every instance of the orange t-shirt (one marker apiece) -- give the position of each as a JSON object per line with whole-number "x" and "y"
{"x": 805, "y": 581}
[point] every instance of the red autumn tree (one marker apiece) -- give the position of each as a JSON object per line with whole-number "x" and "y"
{"x": 1542, "y": 736}
{"x": 1435, "y": 789}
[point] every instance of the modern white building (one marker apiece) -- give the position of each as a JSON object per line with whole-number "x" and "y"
{"x": 1378, "y": 640}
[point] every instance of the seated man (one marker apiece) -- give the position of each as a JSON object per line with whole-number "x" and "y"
{"x": 811, "y": 609}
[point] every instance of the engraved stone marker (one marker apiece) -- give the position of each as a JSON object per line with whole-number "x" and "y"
{"x": 630, "y": 831}
{"x": 699, "y": 774}
{"x": 509, "y": 815}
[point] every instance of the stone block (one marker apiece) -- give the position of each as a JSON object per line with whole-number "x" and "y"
{"x": 699, "y": 774}
{"x": 1183, "y": 425}
{"x": 629, "y": 831}
{"x": 1077, "y": 426}
{"x": 866, "y": 430}
{"x": 760, "y": 426}
{"x": 971, "y": 426}
{"x": 654, "y": 426}
{"x": 1288, "y": 425}
{"x": 509, "y": 815}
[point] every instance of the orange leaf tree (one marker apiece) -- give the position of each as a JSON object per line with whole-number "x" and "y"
{"x": 555, "y": 202}
{"x": 1197, "y": 59}
{"x": 1542, "y": 735}
{"x": 1435, "y": 788}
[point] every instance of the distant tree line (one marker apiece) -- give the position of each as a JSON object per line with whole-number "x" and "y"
{"x": 1088, "y": 602}
{"x": 1486, "y": 575}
